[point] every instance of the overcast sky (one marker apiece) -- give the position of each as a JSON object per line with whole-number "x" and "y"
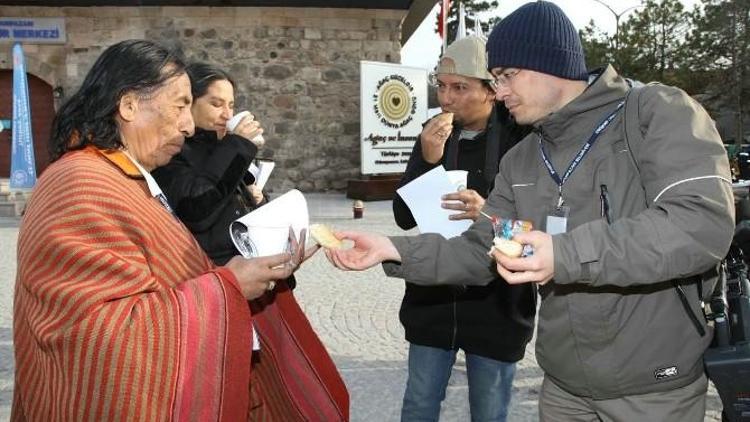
{"x": 423, "y": 48}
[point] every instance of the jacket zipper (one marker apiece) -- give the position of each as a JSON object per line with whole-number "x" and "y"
{"x": 455, "y": 320}
{"x": 606, "y": 211}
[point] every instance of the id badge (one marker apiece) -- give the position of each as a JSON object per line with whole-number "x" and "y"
{"x": 557, "y": 220}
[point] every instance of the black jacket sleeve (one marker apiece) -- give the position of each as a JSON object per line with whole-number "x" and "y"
{"x": 198, "y": 190}
{"x": 416, "y": 167}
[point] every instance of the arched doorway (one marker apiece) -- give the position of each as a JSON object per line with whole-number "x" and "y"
{"x": 42, "y": 113}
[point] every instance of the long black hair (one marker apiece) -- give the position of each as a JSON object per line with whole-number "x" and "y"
{"x": 88, "y": 116}
{"x": 202, "y": 75}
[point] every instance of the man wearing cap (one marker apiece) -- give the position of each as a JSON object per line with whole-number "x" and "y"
{"x": 628, "y": 228}
{"x": 472, "y": 134}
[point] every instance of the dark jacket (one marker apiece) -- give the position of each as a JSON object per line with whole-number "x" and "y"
{"x": 496, "y": 320}
{"x": 205, "y": 184}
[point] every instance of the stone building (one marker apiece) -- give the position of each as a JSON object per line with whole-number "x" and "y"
{"x": 296, "y": 65}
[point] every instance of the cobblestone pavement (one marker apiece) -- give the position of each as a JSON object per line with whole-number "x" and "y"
{"x": 355, "y": 314}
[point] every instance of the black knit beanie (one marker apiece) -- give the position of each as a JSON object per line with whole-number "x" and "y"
{"x": 538, "y": 36}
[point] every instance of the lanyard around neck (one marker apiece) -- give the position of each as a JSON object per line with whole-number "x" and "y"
{"x": 601, "y": 127}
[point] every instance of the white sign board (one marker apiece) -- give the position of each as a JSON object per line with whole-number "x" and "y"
{"x": 33, "y": 30}
{"x": 393, "y": 108}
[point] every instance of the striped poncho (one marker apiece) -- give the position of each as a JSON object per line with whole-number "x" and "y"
{"x": 119, "y": 315}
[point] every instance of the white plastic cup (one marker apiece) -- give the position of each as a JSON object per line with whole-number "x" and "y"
{"x": 236, "y": 119}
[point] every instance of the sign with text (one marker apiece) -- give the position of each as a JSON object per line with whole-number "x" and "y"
{"x": 33, "y": 30}
{"x": 393, "y": 108}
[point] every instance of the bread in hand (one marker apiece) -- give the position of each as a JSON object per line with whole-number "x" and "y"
{"x": 324, "y": 236}
{"x": 507, "y": 247}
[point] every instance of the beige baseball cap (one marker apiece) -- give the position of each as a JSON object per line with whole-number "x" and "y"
{"x": 465, "y": 57}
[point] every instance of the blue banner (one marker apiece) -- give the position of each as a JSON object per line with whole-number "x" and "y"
{"x": 22, "y": 168}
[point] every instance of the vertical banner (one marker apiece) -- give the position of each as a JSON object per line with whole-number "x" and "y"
{"x": 22, "y": 168}
{"x": 393, "y": 108}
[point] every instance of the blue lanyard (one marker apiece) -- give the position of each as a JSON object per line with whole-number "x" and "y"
{"x": 579, "y": 157}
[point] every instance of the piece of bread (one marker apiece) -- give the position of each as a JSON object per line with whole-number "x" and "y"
{"x": 324, "y": 236}
{"x": 445, "y": 116}
{"x": 507, "y": 247}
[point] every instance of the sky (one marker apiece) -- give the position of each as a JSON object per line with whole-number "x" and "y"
{"x": 423, "y": 48}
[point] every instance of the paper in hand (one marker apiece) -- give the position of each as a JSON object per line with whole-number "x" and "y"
{"x": 423, "y": 197}
{"x": 261, "y": 171}
{"x": 265, "y": 230}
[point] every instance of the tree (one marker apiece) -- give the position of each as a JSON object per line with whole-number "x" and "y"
{"x": 597, "y": 46}
{"x": 652, "y": 41}
{"x": 720, "y": 51}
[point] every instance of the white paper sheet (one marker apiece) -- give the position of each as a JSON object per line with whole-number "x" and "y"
{"x": 261, "y": 171}
{"x": 458, "y": 178}
{"x": 265, "y": 230}
{"x": 422, "y": 196}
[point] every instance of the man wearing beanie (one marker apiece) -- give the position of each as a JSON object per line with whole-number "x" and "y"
{"x": 472, "y": 134}
{"x": 629, "y": 229}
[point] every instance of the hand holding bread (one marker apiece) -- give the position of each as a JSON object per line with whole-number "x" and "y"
{"x": 434, "y": 135}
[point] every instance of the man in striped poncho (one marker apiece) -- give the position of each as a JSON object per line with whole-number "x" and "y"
{"x": 119, "y": 315}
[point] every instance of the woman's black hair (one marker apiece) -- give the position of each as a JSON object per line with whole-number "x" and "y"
{"x": 88, "y": 116}
{"x": 202, "y": 75}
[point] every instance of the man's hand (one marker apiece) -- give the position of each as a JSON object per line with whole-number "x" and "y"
{"x": 255, "y": 275}
{"x": 256, "y": 193}
{"x": 369, "y": 250}
{"x": 434, "y": 135}
{"x": 537, "y": 268}
{"x": 470, "y": 202}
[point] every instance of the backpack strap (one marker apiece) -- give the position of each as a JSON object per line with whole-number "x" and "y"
{"x": 632, "y": 122}
{"x": 634, "y": 139}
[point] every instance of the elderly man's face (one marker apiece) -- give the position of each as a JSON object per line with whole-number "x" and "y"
{"x": 154, "y": 128}
{"x": 529, "y": 96}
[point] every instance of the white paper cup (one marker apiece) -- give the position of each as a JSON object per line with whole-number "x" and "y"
{"x": 236, "y": 119}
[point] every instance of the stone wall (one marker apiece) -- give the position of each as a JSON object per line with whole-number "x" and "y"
{"x": 297, "y": 70}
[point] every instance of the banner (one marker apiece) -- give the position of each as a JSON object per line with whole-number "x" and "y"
{"x": 393, "y": 108}
{"x": 22, "y": 168}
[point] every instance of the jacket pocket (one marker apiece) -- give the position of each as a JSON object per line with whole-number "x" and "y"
{"x": 614, "y": 170}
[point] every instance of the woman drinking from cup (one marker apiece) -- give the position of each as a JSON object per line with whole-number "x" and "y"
{"x": 207, "y": 183}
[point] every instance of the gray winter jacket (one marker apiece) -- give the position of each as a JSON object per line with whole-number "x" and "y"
{"x": 611, "y": 323}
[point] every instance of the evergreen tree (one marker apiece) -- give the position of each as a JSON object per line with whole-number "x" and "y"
{"x": 719, "y": 48}
{"x": 597, "y": 46}
{"x": 652, "y": 42}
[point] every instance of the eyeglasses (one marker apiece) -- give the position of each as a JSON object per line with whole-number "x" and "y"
{"x": 504, "y": 78}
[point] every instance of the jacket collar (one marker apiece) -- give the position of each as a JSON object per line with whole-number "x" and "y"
{"x": 600, "y": 97}
{"x": 203, "y": 135}
{"x": 119, "y": 159}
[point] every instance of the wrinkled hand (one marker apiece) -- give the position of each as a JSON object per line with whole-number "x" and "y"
{"x": 256, "y": 193}
{"x": 249, "y": 128}
{"x": 537, "y": 268}
{"x": 470, "y": 203}
{"x": 254, "y": 275}
{"x": 434, "y": 135}
{"x": 369, "y": 250}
